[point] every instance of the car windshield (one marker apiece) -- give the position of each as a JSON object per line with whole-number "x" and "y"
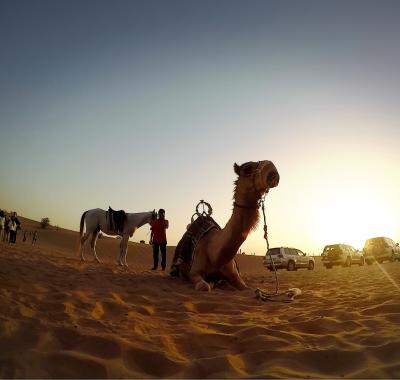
{"x": 376, "y": 242}
{"x": 332, "y": 248}
{"x": 274, "y": 251}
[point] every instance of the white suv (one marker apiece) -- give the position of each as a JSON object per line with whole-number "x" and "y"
{"x": 288, "y": 258}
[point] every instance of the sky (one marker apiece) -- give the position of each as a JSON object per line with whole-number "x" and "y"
{"x": 147, "y": 104}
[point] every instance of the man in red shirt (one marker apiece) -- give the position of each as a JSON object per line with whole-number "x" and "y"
{"x": 158, "y": 238}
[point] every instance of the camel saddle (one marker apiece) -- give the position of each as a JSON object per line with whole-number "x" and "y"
{"x": 117, "y": 220}
{"x": 184, "y": 251}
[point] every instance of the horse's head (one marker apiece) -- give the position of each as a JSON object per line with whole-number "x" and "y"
{"x": 256, "y": 177}
{"x": 153, "y": 215}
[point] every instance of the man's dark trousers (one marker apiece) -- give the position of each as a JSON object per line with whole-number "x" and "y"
{"x": 163, "y": 249}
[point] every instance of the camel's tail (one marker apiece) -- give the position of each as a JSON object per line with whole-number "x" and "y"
{"x": 81, "y": 226}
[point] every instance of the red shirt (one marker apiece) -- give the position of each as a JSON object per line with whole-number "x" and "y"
{"x": 158, "y": 227}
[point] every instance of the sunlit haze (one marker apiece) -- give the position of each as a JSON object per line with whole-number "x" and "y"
{"x": 147, "y": 104}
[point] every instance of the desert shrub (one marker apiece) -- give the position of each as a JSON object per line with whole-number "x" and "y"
{"x": 45, "y": 222}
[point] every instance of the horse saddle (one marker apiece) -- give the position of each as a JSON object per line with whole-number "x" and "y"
{"x": 117, "y": 220}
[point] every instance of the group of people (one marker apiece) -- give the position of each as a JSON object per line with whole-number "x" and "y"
{"x": 9, "y": 226}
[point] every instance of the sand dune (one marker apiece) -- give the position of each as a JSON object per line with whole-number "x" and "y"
{"x": 60, "y": 318}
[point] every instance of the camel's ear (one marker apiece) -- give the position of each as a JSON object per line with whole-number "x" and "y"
{"x": 236, "y": 168}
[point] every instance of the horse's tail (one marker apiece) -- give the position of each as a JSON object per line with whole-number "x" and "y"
{"x": 81, "y": 226}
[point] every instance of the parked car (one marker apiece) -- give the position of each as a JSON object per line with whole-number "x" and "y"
{"x": 341, "y": 254}
{"x": 288, "y": 258}
{"x": 381, "y": 249}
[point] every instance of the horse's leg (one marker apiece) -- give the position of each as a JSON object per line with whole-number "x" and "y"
{"x": 125, "y": 248}
{"x": 120, "y": 262}
{"x": 83, "y": 243}
{"x": 93, "y": 244}
{"x": 230, "y": 272}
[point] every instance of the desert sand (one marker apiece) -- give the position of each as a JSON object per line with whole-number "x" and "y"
{"x": 60, "y": 318}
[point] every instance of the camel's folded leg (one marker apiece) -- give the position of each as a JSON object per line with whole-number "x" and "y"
{"x": 231, "y": 274}
{"x": 199, "y": 282}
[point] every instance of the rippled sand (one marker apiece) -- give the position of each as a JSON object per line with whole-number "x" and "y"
{"x": 60, "y": 318}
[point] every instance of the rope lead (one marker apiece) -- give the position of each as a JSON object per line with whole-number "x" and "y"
{"x": 262, "y": 201}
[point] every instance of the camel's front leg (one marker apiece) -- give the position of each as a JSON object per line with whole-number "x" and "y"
{"x": 199, "y": 282}
{"x": 231, "y": 274}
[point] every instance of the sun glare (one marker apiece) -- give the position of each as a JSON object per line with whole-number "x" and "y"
{"x": 351, "y": 218}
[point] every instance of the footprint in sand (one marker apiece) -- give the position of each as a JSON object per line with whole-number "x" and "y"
{"x": 98, "y": 311}
{"x": 72, "y": 365}
{"x": 142, "y": 361}
{"x": 26, "y": 311}
{"x": 70, "y": 310}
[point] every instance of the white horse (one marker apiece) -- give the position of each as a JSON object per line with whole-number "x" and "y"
{"x": 97, "y": 220}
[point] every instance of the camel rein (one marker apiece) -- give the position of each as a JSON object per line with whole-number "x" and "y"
{"x": 262, "y": 201}
{"x": 287, "y": 296}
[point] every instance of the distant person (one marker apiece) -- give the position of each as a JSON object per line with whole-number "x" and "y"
{"x": 6, "y": 228}
{"x": 34, "y": 238}
{"x": 158, "y": 238}
{"x": 12, "y": 225}
{"x": 15, "y": 226}
{"x": 2, "y": 224}
{"x": 24, "y": 238}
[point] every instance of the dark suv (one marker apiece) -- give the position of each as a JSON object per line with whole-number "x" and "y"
{"x": 381, "y": 249}
{"x": 341, "y": 254}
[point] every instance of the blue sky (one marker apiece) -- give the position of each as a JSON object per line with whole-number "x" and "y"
{"x": 147, "y": 104}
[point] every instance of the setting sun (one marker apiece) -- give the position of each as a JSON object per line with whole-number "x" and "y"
{"x": 351, "y": 217}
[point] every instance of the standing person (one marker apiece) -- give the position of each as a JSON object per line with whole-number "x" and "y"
{"x": 34, "y": 238}
{"x": 2, "y": 224}
{"x": 6, "y": 228}
{"x": 12, "y": 224}
{"x": 158, "y": 238}
{"x": 15, "y": 225}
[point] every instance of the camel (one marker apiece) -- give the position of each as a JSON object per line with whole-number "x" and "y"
{"x": 214, "y": 254}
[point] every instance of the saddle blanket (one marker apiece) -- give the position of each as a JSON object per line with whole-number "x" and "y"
{"x": 184, "y": 251}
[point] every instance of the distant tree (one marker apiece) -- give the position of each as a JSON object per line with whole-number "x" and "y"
{"x": 45, "y": 222}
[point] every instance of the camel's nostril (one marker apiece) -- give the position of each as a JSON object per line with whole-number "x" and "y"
{"x": 273, "y": 179}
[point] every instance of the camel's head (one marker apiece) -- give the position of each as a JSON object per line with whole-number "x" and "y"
{"x": 257, "y": 177}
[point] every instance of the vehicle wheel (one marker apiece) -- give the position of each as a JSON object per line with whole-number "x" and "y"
{"x": 328, "y": 266}
{"x": 369, "y": 262}
{"x": 392, "y": 259}
{"x": 311, "y": 265}
{"x": 291, "y": 266}
{"x": 347, "y": 263}
{"x": 362, "y": 261}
